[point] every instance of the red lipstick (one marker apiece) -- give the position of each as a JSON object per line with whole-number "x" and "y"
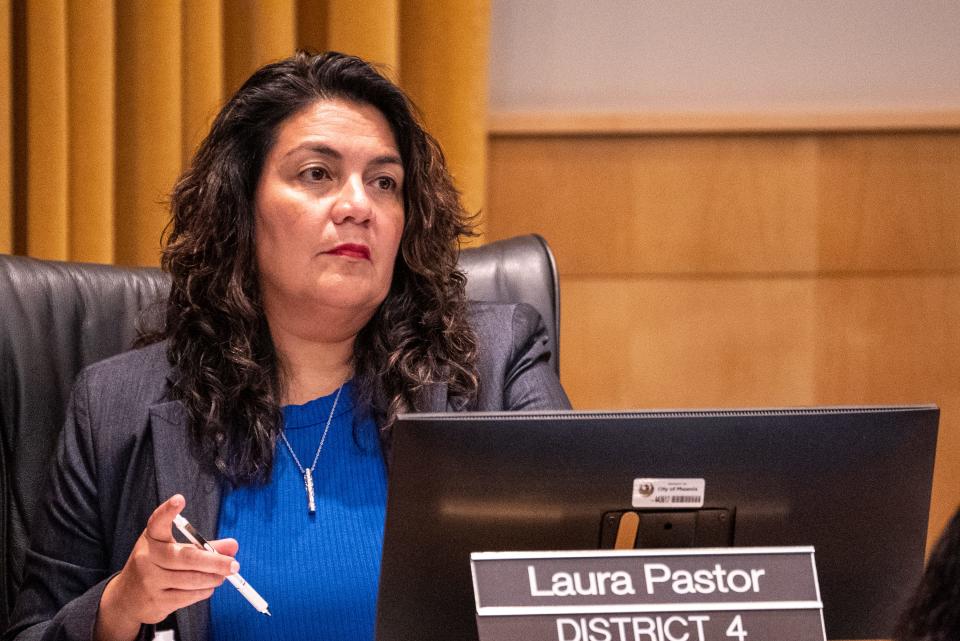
{"x": 351, "y": 250}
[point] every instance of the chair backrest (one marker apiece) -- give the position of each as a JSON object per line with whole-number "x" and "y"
{"x": 56, "y": 318}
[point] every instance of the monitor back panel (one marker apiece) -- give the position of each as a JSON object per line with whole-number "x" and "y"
{"x": 854, "y": 483}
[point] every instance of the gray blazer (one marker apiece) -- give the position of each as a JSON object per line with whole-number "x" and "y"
{"x": 124, "y": 449}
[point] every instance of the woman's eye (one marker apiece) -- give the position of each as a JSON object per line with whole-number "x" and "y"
{"x": 386, "y": 183}
{"x": 315, "y": 173}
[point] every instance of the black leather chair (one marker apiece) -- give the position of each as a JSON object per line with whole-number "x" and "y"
{"x": 56, "y": 318}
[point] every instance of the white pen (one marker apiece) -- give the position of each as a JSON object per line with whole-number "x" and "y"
{"x": 238, "y": 582}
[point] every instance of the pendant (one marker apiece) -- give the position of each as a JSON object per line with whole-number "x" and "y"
{"x": 308, "y": 482}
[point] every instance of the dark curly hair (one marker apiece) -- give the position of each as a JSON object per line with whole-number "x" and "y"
{"x": 934, "y": 612}
{"x": 227, "y": 369}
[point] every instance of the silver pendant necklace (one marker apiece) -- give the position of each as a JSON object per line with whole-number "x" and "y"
{"x": 308, "y": 473}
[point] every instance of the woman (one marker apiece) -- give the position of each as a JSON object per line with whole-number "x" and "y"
{"x": 315, "y": 296}
{"x": 934, "y": 613}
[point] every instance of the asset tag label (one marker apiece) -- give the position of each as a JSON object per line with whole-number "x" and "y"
{"x": 662, "y": 493}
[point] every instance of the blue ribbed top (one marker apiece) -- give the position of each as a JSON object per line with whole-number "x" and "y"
{"x": 318, "y": 572}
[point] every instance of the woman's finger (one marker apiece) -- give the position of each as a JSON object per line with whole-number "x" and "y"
{"x": 226, "y": 546}
{"x": 186, "y": 556}
{"x": 176, "y": 599}
{"x": 160, "y": 523}
{"x": 187, "y": 580}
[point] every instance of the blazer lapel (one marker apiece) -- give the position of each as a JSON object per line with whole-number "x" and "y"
{"x": 434, "y": 398}
{"x": 179, "y": 472}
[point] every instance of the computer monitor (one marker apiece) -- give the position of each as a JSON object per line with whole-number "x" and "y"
{"x": 852, "y": 482}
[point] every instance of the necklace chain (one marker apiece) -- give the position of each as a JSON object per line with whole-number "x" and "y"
{"x": 308, "y": 472}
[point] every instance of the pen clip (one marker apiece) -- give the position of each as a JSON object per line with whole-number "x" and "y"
{"x": 191, "y": 533}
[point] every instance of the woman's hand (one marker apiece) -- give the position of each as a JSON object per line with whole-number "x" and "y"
{"x": 160, "y": 576}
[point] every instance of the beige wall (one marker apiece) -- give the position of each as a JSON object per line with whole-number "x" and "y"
{"x": 750, "y": 269}
{"x": 740, "y": 55}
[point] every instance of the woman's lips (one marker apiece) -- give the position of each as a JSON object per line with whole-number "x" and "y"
{"x": 351, "y": 250}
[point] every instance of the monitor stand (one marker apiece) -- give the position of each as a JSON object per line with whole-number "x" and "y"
{"x": 703, "y": 528}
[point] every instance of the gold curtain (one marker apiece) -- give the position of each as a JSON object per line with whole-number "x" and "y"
{"x": 102, "y": 102}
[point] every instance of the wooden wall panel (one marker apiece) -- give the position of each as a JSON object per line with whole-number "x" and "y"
{"x": 889, "y": 338}
{"x": 669, "y": 342}
{"x": 732, "y": 204}
{"x": 889, "y": 201}
{"x": 728, "y": 270}
{"x": 661, "y": 205}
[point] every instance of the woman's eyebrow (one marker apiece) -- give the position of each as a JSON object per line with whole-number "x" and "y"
{"x": 387, "y": 159}
{"x": 319, "y": 148}
{"x": 330, "y": 152}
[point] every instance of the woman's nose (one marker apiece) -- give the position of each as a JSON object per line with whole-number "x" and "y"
{"x": 353, "y": 203}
